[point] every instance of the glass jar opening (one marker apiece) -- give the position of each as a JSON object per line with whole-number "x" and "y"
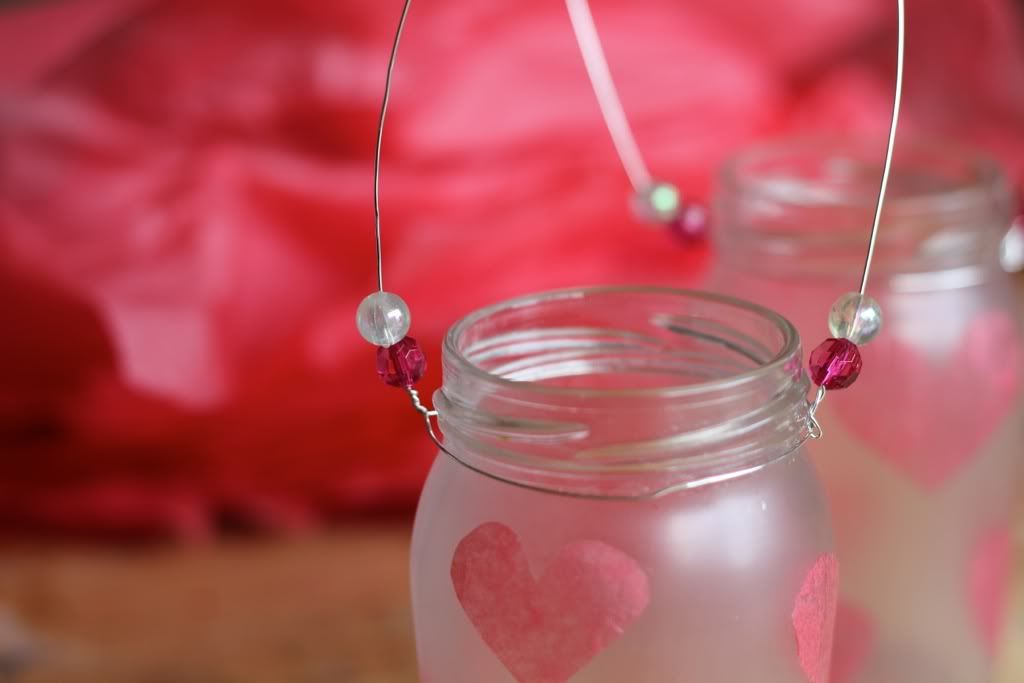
{"x": 624, "y": 389}
{"x": 805, "y": 208}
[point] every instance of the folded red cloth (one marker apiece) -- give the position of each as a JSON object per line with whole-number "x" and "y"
{"x": 186, "y": 228}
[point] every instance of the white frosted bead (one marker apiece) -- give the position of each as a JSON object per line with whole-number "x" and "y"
{"x": 855, "y": 317}
{"x": 658, "y": 203}
{"x": 1011, "y": 249}
{"x": 383, "y": 319}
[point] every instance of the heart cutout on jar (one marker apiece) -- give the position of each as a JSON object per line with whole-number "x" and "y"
{"x": 814, "y": 618}
{"x": 546, "y": 629}
{"x": 854, "y": 640}
{"x": 990, "y": 576}
{"x": 926, "y": 419}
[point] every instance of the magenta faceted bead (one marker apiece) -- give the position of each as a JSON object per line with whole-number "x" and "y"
{"x": 691, "y": 225}
{"x": 402, "y": 364}
{"x": 835, "y": 364}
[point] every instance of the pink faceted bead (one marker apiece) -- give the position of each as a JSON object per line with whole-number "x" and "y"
{"x": 691, "y": 225}
{"x": 401, "y": 364}
{"x": 835, "y": 364}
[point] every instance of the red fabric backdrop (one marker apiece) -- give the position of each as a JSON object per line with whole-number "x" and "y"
{"x": 186, "y": 227}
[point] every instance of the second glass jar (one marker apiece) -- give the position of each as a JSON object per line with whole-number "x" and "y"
{"x": 920, "y": 457}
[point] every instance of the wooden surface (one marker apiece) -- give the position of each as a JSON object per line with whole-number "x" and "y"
{"x": 327, "y": 609}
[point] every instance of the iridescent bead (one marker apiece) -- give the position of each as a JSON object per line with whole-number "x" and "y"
{"x": 402, "y": 364}
{"x": 835, "y": 364}
{"x": 855, "y": 317}
{"x": 657, "y": 203}
{"x": 383, "y": 319}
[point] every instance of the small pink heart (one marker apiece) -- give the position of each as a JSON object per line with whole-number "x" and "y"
{"x": 989, "y": 579}
{"x": 545, "y": 630}
{"x": 854, "y": 640}
{"x": 928, "y": 420}
{"x": 814, "y": 618}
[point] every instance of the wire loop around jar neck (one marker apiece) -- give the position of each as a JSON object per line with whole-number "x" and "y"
{"x": 621, "y": 392}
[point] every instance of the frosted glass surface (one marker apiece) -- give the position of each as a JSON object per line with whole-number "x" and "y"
{"x": 910, "y": 531}
{"x": 725, "y": 563}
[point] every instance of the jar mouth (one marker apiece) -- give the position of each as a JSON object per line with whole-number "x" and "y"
{"x": 928, "y": 176}
{"x": 631, "y": 389}
{"x": 806, "y": 206}
{"x": 464, "y": 350}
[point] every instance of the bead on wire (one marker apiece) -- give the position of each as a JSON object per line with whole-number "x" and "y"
{"x": 654, "y": 201}
{"x": 383, "y": 318}
{"x": 856, "y": 318}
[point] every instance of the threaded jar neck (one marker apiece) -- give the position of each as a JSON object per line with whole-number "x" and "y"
{"x": 622, "y": 391}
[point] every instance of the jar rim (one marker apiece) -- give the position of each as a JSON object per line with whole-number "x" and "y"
{"x": 987, "y": 176}
{"x": 804, "y": 207}
{"x": 743, "y": 404}
{"x": 790, "y": 347}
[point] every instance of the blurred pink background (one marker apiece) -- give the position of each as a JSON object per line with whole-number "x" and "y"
{"x": 186, "y": 220}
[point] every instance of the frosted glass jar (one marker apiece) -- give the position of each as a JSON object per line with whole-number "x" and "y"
{"x": 633, "y": 503}
{"x": 920, "y": 457}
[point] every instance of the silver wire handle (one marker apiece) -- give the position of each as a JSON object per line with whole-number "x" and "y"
{"x": 607, "y": 94}
{"x": 628, "y": 151}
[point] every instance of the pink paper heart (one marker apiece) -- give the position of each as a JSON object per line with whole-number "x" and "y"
{"x": 853, "y": 643}
{"x": 547, "y": 629}
{"x": 989, "y": 580}
{"x": 930, "y": 419}
{"x": 814, "y": 618}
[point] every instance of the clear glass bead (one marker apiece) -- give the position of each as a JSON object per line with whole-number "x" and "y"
{"x": 855, "y": 317}
{"x": 658, "y": 203}
{"x": 383, "y": 319}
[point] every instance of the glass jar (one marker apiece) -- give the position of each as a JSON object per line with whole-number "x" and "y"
{"x": 920, "y": 457}
{"x": 625, "y": 499}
